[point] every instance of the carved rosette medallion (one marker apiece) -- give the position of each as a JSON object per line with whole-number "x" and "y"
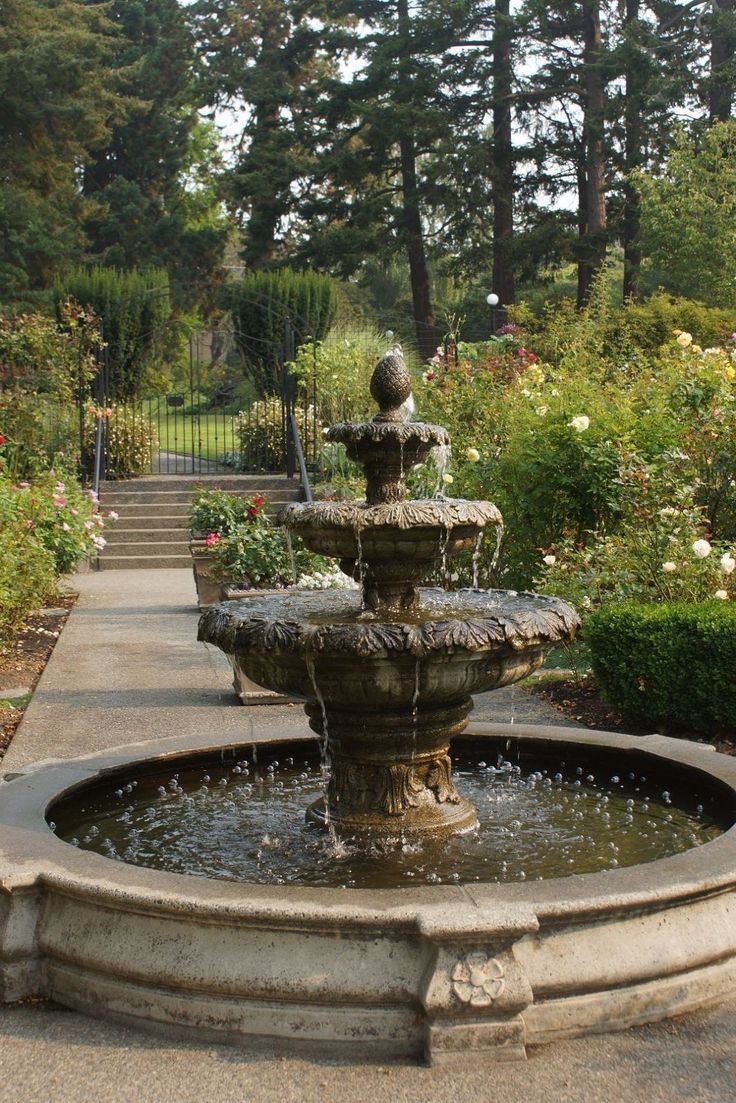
{"x": 478, "y": 979}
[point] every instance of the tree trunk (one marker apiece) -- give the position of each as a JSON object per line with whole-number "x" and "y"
{"x": 503, "y": 158}
{"x": 411, "y": 209}
{"x": 722, "y": 54}
{"x": 633, "y": 157}
{"x": 593, "y": 244}
{"x": 265, "y": 202}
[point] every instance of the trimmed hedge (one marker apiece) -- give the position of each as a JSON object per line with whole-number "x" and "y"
{"x": 261, "y": 302}
{"x": 668, "y": 666}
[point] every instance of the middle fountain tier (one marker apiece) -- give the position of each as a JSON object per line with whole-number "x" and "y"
{"x": 388, "y": 671}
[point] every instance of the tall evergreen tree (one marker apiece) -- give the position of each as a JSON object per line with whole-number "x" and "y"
{"x": 146, "y": 207}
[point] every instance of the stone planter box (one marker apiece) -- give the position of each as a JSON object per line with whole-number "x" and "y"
{"x": 208, "y": 588}
{"x": 249, "y": 692}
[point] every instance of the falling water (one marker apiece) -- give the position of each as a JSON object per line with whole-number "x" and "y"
{"x": 292, "y": 561}
{"x": 476, "y": 557}
{"x": 441, "y": 455}
{"x": 444, "y": 542}
{"x": 497, "y": 549}
{"x": 325, "y": 760}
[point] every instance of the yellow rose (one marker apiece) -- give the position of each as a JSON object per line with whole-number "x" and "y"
{"x": 684, "y": 339}
{"x": 729, "y": 371}
{"x": 473, "y": 455}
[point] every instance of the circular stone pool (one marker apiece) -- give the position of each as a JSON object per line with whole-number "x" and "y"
{"x": 540, "y": 815}
{"x": 446, "y": 970}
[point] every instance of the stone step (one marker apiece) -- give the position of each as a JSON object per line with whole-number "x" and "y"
{"x": 140, "y": 520}
{"x": 159, "y": 535}
{"x": 142, "y": 562}
{"x": 232, "y": 484}
{"x": 147, "y": 547}
{"x": 163, "y": 499}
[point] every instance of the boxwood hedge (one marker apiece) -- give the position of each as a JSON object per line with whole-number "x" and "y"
{"x": 668, "y": 667}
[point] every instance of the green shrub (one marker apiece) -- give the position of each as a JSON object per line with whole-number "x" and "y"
{"x": 260, "y": 432}
{"x": 46, "y": 527}
{"x": 134, "y": 308}
{"x": 41, "y": 367}
{"x": 130, "y": 439}
{"x": 260, "y": 555}
{"x": 262, "y": 303}
{"x": 668, "y": 666}
{"x": 219, "y": 512}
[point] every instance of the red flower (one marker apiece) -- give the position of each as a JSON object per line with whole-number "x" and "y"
{"x": 253, "y": 511}
{"x": 2, "y": 439}
{"x": 259, "y": 500}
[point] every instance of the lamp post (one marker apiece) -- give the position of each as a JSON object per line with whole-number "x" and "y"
{"x": 492, "y": 301}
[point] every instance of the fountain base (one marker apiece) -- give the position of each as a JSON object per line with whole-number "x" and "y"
{"x": 426, "y": 818}
{"x": 390, "y": 772}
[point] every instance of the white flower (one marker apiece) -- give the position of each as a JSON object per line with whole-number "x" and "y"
{"x": 389, "y": 334}
{"x": 668, "y": 511}
{"x": 728, "y": 563}
{"x": 473, "y": 455}
{"x": 579, "y": 423}
{"x": 684, "y": 339}
{"x": 669, "y": 566}
{"x": 586, "y": 603}
{"x": 550, "y": 560}
{"x": 526, "y": 392}
{"x": 722, "y": 595}
{"x": 66, "y": 527}
{"x": 447, "y": 479}
{"x": 113, "y": 515}
{"x": 540, "y": 411}
{"x": 702, "y": 549}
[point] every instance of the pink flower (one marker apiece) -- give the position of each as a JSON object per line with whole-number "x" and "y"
{"x": 113, "y": 515}
{"x": 59, "y": 503}
{"x": 212, "y": 538}
{"x": 66, "y": 527}
{"x": 88, "y": 525}
{"x": 29, "y": 524}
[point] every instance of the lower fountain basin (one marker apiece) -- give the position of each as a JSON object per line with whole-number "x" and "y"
{"x": 447, "y": 971}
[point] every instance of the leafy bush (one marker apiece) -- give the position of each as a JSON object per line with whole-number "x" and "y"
{"x": 46, "y": 527}
{"x": 260, "y": 433}
{"x": 41, "y": 368}
{"x": 656, "y": 553}
{"x": 263, "y": 302}
{"x": 260, "y": 555}
{"x": 134, "y": 308}
{"x": 668, "y": 666}
{"x": 130, "y": 439}
{"x": 338, "y": 370}
{"x": 219, "y": 512}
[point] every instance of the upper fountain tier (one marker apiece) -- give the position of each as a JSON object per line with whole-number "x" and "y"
{"x": 396, "y": 543}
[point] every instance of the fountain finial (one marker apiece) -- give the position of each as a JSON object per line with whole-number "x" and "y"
{"x": 390, "y": 385}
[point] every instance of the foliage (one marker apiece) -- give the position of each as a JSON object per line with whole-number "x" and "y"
{"x": 259, "y": 555}
{"x": 217, "y": 511}
{"x": 46, "y": 527}
{"x": 130, "y": 439}
{"x": 57, "y": 96}
{"x": 262, "y": 304}
{"x": 134, "y": 308}
{"x": 42, "y": 367}
{"x": 562, "y": 447}
{"x": 688, "y": 214}
{"x": 656, "y": 553}
{"x": 668, "y": 666}
{"x": 260, "y": 432}
{"x": 338, "y": 370}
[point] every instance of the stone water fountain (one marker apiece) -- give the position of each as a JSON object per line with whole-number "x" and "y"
{"x": 388, "y": 672}
{"x": 174, "y": 883}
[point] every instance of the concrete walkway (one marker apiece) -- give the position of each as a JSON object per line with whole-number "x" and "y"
{"x": 127, "y": 666}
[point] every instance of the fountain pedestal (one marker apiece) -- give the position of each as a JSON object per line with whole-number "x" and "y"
{"x": 390, "y": 772}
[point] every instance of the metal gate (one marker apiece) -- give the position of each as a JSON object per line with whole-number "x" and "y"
{"x": 197, "y": 429}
